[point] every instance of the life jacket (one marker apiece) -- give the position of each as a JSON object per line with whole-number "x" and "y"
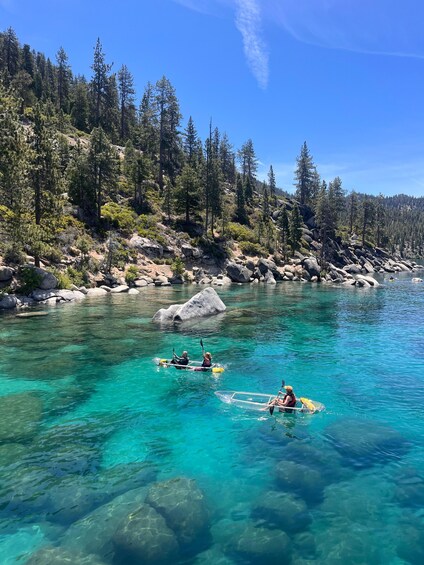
{"x": 292, "y": 402}
{"x": 207, "y": 363}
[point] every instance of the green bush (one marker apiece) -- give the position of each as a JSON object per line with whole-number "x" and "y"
{"x": 63, "y": 279}
{"x": 147, "y": 226}
{"x": 162, "y": 261}
{"x": 84, "y": 243}
{"x": 253, "y": 249}
{"x": 119, "y": 217}
{"x": 28, "y": 280}
{"x": 78, "y": 277}
{"x": 13, "y": 255}
{"x": 131, "y": 275}
{"x": 241, "y": 233}
{"x": 53, "y": 254}
{"x": 178, "y": 267}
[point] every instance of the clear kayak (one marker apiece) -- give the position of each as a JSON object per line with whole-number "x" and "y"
{"x": 261, "y": 402}
{"x": 194, "y": 366}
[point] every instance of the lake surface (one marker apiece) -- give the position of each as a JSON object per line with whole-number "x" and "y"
{"x": 342, "y": 486}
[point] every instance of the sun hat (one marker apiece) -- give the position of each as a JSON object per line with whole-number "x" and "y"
{"x": 289, "y": 388}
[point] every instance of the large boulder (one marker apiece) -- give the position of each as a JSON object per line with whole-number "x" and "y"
{"x": 258, "y": 544}
{"x": 182, "y": 504}
{"x": 300, "y": 479}
{"x": 6, "y": 273}
{"x": 238, "y": 273}
{"x": 47, "y": 280}
{"x": 204, "y": 303}
{"x": 94, "y": 532}
{"x": 310, "y": 264}
{"x": 20, "y": 417}
{"x": 96, "y": 292}
{"x": 146, "y": 246}
{"x": 144, "y": 537}
{"x": 119, "y": 289}
{"x": 8, "y": 301}
{"x": 370, "y": 280}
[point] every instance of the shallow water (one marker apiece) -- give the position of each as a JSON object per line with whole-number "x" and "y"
{"x": 353, "y": 473}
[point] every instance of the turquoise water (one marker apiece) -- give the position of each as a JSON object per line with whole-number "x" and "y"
{"x": 345, "y": 486}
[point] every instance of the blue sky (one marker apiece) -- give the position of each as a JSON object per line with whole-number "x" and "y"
{"x": 347, "y": 76}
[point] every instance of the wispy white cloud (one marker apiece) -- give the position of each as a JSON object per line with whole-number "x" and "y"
{"x": 248, "y": 22}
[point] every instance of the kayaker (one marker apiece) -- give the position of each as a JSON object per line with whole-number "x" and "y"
{"x": 285, "y": 403}
{"x": 180, "y": 361}
{"x": 206, "y": 363}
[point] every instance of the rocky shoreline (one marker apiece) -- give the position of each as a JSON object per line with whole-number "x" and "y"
{"x": 354, "y": 266}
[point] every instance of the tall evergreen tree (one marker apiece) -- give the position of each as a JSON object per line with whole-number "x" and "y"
{"x": 99, "y": 86}
{"x": 9, "y": 55}
{"x": 368, "y": 217}
{"x": 227, "y": 160}
{"x": 45, "y": 182}
{"x": 353, "y": 211}
{"x": 283, "y": 224}
{"x": 148, "y": 127}
{"x": 304, "y": 176}
{"x": 187, "y": 193}
{"x": 191, "y": 143}
{"x": 295, "y": 229}
{"x": 79, "y": 104}
{"x": 249, "y": 165}
{"x": 241, "y": 214}
{"x": 126, "y": 102}
{"x": 168, "y": 117}
{"x": 272, "y": 186}
{"x": 63, "y": 80}
{"x": 137, "y": 172}
{"x": 103, "y": 168}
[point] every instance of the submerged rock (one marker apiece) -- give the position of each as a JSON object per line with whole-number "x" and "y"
{"x": 282, "y": 510}
{"x": 204, "y": 303}
{"x": 62, "y": 556}
{"x": 301, "y": 480}
{"x": 258, "y": 544}
{"x": 365, "y": 443}
{"x": 8, "y": 301}
{"x": 182, "y": 504}
{"x": 20, "y": 417}
{"x": 144, "y": 537}
{"x": 94, "y": 532}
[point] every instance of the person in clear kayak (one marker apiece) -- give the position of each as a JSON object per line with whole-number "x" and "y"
{"x": 284, "y": 404}
{"x": 206, "y": 363}
{"x": 182, "y": 361}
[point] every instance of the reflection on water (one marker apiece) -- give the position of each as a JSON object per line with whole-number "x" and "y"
{"x": 98, "y": 444}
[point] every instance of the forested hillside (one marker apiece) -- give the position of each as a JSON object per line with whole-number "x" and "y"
{"x": 85, "y": 163}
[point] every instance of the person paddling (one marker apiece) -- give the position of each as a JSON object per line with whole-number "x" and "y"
{"x": 180, "y": 361}
{"x": 288, "y": 401}
{"x": 206, "y": 363}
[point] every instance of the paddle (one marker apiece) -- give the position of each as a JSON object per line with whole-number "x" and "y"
{"x": 201, "y": 344}
{"x": 271, "y": 408}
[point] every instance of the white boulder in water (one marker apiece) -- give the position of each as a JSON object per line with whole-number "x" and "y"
{"x": 417, "y": 280}
{"x": 204, "y": 303}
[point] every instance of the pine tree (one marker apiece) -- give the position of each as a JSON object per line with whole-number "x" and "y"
{"x": 168, "y": 117}
{"x": 80, "y": 189}
{"x": 45, "y": 182}
{"x": 272, "y": 186}
{"x": 148, "y": 127}
{"x": 99, "y": 86}
{"x": 353, "y": 211}
{"x": 9, "y": 55}
{"x": 187, "y": 193}
{"x": 103, "y": 168}
{"x": 324, "y": 217}
{"x": 249, "y": 166}
{"x": 63, "y": 80}
{"x": 283, "y": 224}
{"x": 15, "y": 197}
{"x": 241, "y": 215}
{"x": 191, "y": 143}
{"x": 79, "y": 104}
{"x": 126, "y": 102}
{"x": 304, "y": 175}
{"x": 227, "y": 160}
{"x": 137, "y": 172}
{"x": 368, "y": 217}
{"x": 295, "y": 229}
